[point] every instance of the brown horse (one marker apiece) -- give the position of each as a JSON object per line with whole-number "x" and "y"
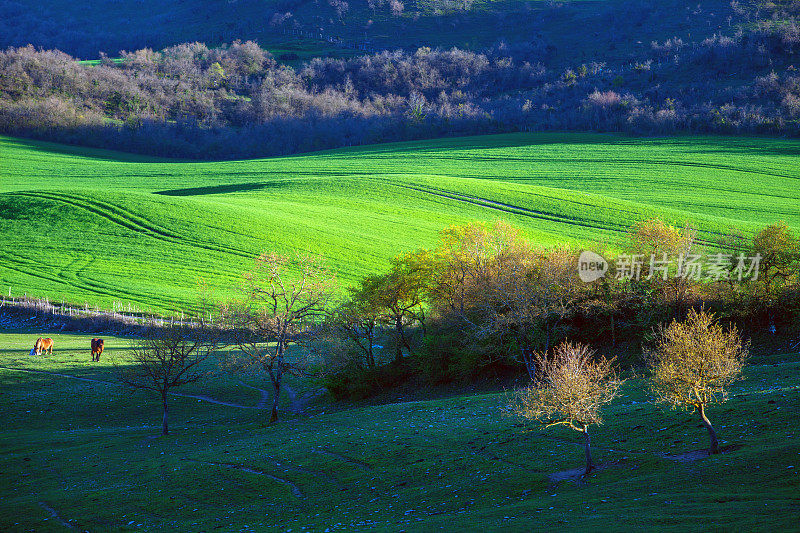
{"x": 41, "y": 345}
{"x": 97, "y": 349}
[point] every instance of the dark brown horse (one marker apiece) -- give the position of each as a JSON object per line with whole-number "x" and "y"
{"x": 43, "y": 345}
{"x": 97, "y": 349}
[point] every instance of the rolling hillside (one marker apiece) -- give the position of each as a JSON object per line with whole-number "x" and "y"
{"x": 95, "y": 226}
{"x": 83, "y": 454}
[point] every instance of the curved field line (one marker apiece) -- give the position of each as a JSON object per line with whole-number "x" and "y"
{"x": 265, "y": 395}
{"x": 513, "y": 209}
{"x": 296, "y": 492}
{"x": 288, "y": 465}
{"x": 615, "y": 161}
{"x": 31, "y": 268}
{"x": 54, "y": 514}
{"x": 541, "y": 215}
{"x": 109, "y": 211}
{"x": 128, "y": 220}
{"x": 11, "y": 264}
{"x": 344, "y": 458}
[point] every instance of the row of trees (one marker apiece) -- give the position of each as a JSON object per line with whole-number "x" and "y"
{"x": 691, "y": 364}
{"x": 484, "y": 299}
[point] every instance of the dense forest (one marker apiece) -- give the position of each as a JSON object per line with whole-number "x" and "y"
{"x": 236, "y": 100}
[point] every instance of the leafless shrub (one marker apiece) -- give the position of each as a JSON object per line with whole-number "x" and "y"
{"x": 166, "y": 358}
{"x": 605, "y": 99}
{"x": 281, "y": 295}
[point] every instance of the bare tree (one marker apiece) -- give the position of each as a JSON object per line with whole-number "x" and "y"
{"x": 281, "y": 295}
{"x": 693, "y": 362}
{"x": 166, "y": 358}
{"x": 572, "y": 387}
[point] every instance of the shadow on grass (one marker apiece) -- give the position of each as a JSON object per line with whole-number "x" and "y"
{"x": 222, "y": 189}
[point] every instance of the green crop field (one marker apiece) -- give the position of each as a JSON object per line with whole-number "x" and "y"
{"x": 86, "y": 454}
{"x": 93, "y": 226}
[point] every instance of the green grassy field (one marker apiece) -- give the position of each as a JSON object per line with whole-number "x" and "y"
{"x": 87, "y": 453}
{"x": 93, "y": 226}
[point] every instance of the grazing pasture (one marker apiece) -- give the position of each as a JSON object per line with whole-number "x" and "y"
{"x": 85, "y": 452}
{"x": 96, "y": 226}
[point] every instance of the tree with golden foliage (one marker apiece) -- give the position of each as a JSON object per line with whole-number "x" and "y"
{"x": 399, "y": 295}
{"x": 490, "y": 280}
{"x": 571, "y": 390}
{"x": 535, "y": 289}
{"x": 779, "y": 250}
{"x": 467, "y": 259}
{"x": 358, "y": 318}
{"x": 693, "y": 362}
{"x": 666, "y": 252}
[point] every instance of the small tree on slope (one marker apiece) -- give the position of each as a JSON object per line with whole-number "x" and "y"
{"x": 572, "y": 388}
{"x": 693, "y": 362}
{"x": 281, "y": 295}
{"x": 166, "y": 358}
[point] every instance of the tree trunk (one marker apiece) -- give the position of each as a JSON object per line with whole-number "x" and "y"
{"x": 398, "y": 327}
{"x": 711, "y": 433}
{"x": 164, "y": 424}
{"x": 273, "y": 417}
{"x": 613, "y": 332}
{"x": 547, "y": 337}
{"x": 587, "y": 449}
{"x": 276, "y": 378}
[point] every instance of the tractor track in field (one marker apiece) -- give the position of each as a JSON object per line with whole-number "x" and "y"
{"x": 295, "y": 490}
{"x": 513, "y": 209}
{"x": 122, "y": 217}
{"x": 349, "y": 460}
{"x": 54, "y": 514}
{"x": 263, "y": 403}
{"x": 31, "y": 267}
{"x": 288, "y": 465}
{"x": 649, "y": 162}
{"x": 532, "y": 213}
{"x": 24, "y": 266}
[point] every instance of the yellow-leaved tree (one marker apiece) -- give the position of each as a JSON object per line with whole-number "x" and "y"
{"x": 693, "y": 362}
{"x": 571, "y": 388}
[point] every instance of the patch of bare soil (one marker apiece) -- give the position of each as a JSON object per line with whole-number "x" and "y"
{"x": 54, "y": 514}
{"x": 576, "y": 474}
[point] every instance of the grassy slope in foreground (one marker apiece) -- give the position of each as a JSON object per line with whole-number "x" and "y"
{"x": 88, "y": 452}
{"x": 97, "y": 226}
